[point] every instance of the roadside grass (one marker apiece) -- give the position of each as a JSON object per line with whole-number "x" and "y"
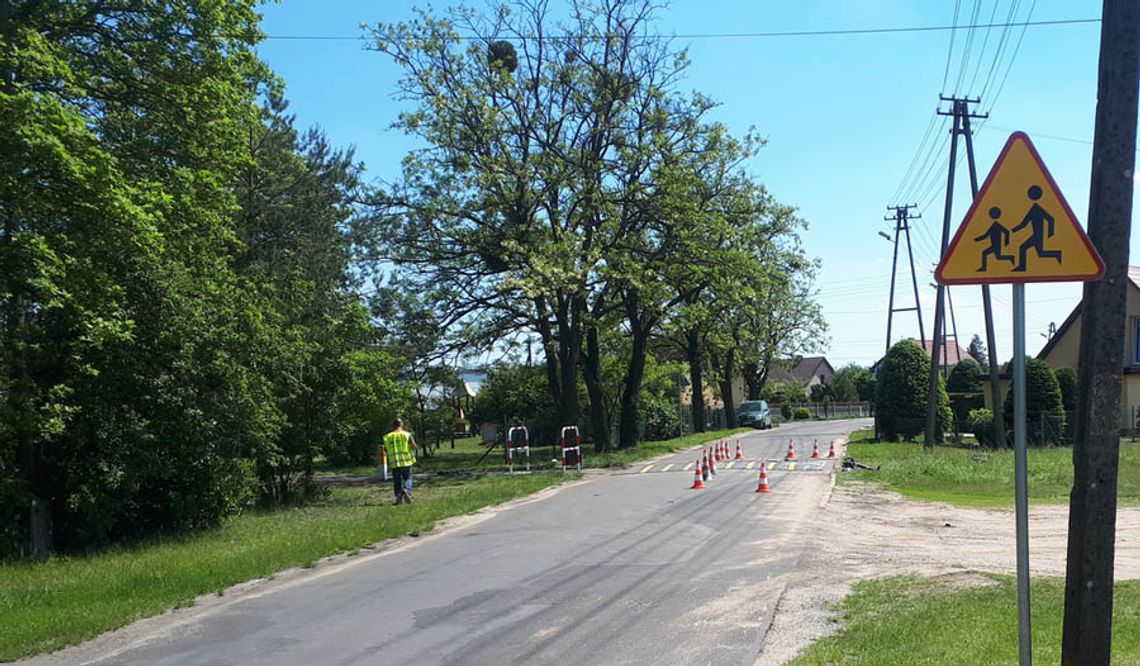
{"x": 468, "y": 455}
{"x": 64, "y": 600}
{"x": 980, "y": 477}
{"x": 910, "y": 620}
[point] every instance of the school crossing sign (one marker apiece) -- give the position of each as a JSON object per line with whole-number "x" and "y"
{"x": 1019, "y": 228}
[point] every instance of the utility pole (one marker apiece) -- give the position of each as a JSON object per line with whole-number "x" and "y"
{"x": 960, "y": 110}
{"x": 902, "y": 219}
{"x": 1087, "y": 633}
{"x": 987, "y": 306}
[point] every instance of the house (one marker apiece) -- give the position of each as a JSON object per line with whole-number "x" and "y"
{"x": 949, "y": 353}
{"x": 1063, "y": 351}
{"x": 808, "y": 370}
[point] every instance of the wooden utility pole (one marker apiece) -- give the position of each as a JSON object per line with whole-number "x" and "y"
{"x": 1087, "y": 634}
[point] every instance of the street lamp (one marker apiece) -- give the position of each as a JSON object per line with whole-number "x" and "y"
{"x": 887, "y": 236}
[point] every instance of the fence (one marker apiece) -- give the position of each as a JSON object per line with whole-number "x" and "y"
{"x": 823, "y": 410}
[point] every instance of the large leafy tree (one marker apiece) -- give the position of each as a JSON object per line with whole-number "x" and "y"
{"x": 128, "y": 346}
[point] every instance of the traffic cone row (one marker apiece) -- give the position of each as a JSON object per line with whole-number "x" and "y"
{"x": 706, "y": 465}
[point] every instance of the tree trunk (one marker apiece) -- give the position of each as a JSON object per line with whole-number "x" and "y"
{"x": 569, "y": 357}
{"x": 592, "y": 372}
{"x": 640, "y": 326}
{"x": 693, "y": 356}
{"x": 728, "y": 369}
{"x": 754, "y": 378}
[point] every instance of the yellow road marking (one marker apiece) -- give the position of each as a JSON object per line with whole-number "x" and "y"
{"x": 750, "y": 465}
{"x": 646, "y": 468}
{"x": 667, "y": 467}
{"x": 728, "y": 465}
{"x": 688, "y": 467}
{"x": 791, "y": 466}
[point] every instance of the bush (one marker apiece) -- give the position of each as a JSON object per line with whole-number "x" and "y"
{"x": 517, "y": 391}
{"x": 1067, "y": 379}
{"x": 965, "y": 377}
{"x": 1044, "y": 410}
{"x": 661, "y": 419}
{"x": 786, "y": 411}
{"x": 802, "y": 413}
{"x": 981, "y": 423}
{"x": 902, "y": 391}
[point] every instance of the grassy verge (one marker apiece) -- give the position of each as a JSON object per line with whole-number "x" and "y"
{"x": 468, "y": 455}
{"x": 980, "y": 477}
{"x": 916, "y": 621}
{"x": 47, "y": 605}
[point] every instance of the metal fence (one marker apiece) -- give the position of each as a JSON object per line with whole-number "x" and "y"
{"x": 822, "y": 410}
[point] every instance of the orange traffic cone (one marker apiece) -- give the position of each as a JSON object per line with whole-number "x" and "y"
{"x": 791, "y": 451}
{"x": 704, "y": 465}
{"x": 739, "y": 451}
{"x": 712, "y": 465}
{"x": 698, "y": 482}
{"x": 815, "y": 449}
{"x": 831, "y": 451}
{"x": 763, "y": 487}
{"x": 718, "y": 451}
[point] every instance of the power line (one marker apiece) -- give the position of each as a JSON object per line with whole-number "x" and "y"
{"x": 736, "y": 35}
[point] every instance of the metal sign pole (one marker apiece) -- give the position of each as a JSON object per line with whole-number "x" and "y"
{"x": 1021, "y": 476}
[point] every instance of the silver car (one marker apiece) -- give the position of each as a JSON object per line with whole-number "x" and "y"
{"x": 754, "y": 413}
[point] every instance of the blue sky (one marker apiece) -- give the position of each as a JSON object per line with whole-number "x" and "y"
{"x": 844, "y": 117}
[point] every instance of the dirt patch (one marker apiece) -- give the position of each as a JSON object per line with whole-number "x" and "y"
{"x": 865, "y": 532}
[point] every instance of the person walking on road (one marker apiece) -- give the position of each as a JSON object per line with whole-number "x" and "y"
{"x": 400, "y": 447}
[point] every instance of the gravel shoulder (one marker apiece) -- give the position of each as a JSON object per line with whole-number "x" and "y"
{"x": 865, "y": 532}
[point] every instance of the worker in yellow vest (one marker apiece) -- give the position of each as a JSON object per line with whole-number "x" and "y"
{"x": 400, "y": 448}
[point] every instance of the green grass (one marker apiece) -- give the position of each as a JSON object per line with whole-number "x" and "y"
{"x": 50, "y": 604}
{"x": 979, "y": 477}
{"x": 467, "y": 453}
{"x": 914, "y": 621}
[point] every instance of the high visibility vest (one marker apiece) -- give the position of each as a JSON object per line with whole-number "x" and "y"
{"x": 396, "y": 445}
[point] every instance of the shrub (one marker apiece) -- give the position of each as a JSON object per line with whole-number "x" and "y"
{"x": 1067, "y": 379}
{"x": 1044, "y": 411}
{"x": 786, "y": 411}
{"x": 965, "y": 377}
{"x": 981, "y": 423}
{"x": 802, "y": 413}
{"x": 902, "y": 392}
{"x": 661, "y": 419}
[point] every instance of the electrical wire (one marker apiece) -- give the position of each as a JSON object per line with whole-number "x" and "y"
{"x": 733, "y": 35}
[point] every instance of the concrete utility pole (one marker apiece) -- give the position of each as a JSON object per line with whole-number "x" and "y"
{"x": 1087, "y": 634}
{"x": 987, "y": 306}
{"x": 961, "y": 113}
{"x": 902, "y": 218}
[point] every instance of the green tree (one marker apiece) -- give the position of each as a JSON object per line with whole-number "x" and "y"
{"x": 843, "y": 385}
{"x": 902, "y": 393}
{"x": 860, "y": 379}
{"x": 977, "y": 351}
{"x": 1044, "y": 409}
{"x": 965, "y": 377}
{"x": 1067, "y": 379}
{"x": 121, "y": 314}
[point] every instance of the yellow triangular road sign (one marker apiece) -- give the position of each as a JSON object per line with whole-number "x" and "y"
{"x": 1019, "y": 228}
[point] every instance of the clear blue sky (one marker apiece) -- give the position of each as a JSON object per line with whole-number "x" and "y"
{"x": 844, "y": 117}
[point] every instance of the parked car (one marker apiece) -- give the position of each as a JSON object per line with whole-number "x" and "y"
{"x": 754, "y": 413}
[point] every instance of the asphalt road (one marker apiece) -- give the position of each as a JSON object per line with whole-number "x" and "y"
{"x": 621, "y": 568}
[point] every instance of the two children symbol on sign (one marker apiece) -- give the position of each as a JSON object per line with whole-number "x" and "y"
{"x": 1042, "y": 226}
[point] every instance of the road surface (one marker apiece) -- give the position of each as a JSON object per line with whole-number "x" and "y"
{"x": 628, "y": 567}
